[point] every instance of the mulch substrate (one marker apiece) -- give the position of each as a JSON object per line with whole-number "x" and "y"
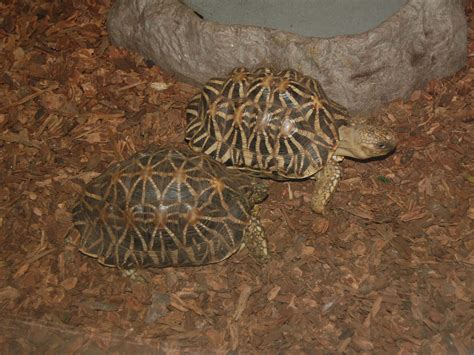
{"x": 390, "y": 269}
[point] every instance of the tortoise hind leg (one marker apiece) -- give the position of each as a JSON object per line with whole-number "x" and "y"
{"x": 326, "y": 183}
{"x": 255, "y": 240}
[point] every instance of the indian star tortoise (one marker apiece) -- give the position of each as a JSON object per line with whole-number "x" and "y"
{"x": 169, "y": 207}
{"x": 281, "y": 126}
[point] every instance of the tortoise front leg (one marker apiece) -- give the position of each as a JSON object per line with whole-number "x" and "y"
{"x": 326, "y": 183}
{"x": 255, "y": 240}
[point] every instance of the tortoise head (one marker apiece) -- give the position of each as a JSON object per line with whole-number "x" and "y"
{"x": 259, "y": 191}
{"x": 253, "y": 189}
{"x": 364, "y": 141}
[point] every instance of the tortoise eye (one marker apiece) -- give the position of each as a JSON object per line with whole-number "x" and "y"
{"x": 381, "y": 145}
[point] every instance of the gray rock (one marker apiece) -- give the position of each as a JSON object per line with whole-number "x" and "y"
{"x": 424, "y": 40}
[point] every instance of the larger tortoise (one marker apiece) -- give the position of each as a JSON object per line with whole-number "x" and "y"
{"x": 169, "y": 207}
{"x": 280, "y": 125}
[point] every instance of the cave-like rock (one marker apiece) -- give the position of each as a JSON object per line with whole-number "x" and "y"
{"x": 422, "y": 40}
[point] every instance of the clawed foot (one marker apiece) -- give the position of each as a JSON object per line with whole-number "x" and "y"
{"x": 319, "y": 208}
{"x": 326, "y": 183}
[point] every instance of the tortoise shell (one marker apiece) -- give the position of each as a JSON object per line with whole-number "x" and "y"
{"x": 164, "y": 207}
{"x": 279, "y": 124}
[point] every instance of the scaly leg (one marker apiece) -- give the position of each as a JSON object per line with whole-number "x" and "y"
{"x": 255, "y": 240}
{"x": 326, "y": 183}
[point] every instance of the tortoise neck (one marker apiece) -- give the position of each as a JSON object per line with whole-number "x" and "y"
{"x": 347, "y": 142}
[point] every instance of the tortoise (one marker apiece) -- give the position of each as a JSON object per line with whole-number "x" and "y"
{"x": 169, "y": 206}
{"x": 280, "y": 125}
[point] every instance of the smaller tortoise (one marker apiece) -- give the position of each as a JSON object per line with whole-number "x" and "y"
{"x": 169, "y": 207}
{"x": 280, "y": 125}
